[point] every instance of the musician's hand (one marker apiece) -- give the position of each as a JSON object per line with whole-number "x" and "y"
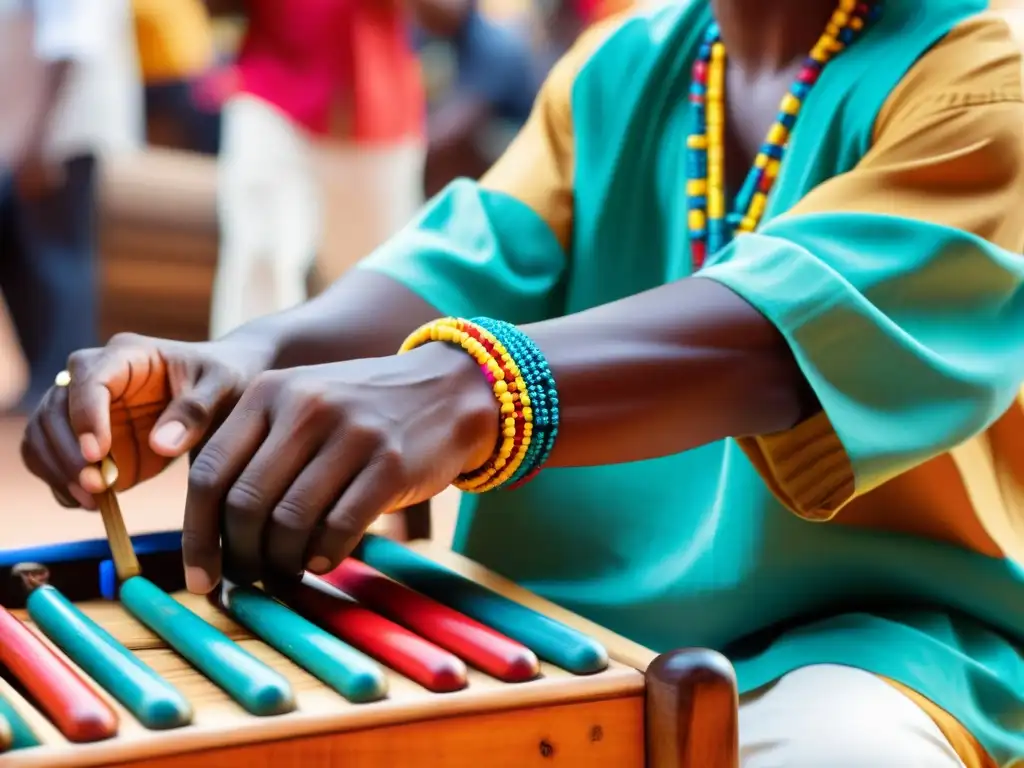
{"x": 143, "y": 401}
{"x": 311, "y": 456}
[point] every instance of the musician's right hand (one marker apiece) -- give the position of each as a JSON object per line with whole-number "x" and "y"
{"x": 142, "y": 401}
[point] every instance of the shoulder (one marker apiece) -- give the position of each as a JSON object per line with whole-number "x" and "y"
{"x": 977, "y": 66}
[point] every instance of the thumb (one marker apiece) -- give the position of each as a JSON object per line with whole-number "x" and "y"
{"x": 190, "y": 415}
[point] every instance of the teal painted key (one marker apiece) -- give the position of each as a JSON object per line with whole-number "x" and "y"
{"x": 152, "y": 700}
{"x": 255, "y": 686}
{"x": 551, "y": 640}
{"x": 22, "y": 736}
{"x": 346, "y": 670}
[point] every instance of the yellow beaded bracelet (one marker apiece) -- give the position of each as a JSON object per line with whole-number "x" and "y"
{"x": 507, "y": 384}
{"x": 505, "y": 465}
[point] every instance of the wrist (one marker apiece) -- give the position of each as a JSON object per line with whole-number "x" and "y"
{"x": 475, "y": 411}
{"x": 522, "y": 387}
{"x": 273, "y": 338}
{"x": 259, "y": 343}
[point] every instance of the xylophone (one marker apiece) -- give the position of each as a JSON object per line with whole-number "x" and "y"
{"x": 406, "y": 655}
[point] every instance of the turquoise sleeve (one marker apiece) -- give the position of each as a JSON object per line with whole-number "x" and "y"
{"x": 473, "y": 251}
{"x": 911, "y": 334}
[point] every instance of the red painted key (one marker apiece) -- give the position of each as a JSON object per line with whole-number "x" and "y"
{"x": 75, "y": 708}
{"x": 481, "y": 646}
{"x": 418, "y": 659}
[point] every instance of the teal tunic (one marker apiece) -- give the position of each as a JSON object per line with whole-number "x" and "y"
{"x": 694, "y": 549}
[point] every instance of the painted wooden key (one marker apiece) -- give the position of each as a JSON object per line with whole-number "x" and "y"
{"x": 22, "y": 735}
{"x": 6, "y": 734}
{"x": 152, "y": 700}
{"x": 76, "y": 709}
{"x": 419, "y": 660}
{"x": 320, "y": 653}
{"x": 485, "y": 649}
{"x": 255, "y": 686}
{"x": 553, "y": 641}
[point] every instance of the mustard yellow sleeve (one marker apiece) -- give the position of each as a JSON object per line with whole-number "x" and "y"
{"x": 909, "y": 325}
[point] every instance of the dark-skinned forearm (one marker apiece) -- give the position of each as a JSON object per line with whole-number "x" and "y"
{"x": 665, "y": 371}
{"x": 55, "y": 75}
{"x": 363, "y": 314}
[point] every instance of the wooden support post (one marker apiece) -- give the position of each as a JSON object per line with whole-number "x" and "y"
{"x": 692, "y": 711}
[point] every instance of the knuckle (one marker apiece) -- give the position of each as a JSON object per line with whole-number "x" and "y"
{"x": 343, "y": 527}
{"x": 366, "y": 433}
{"x": 292, "y": 514}
{"x": 81, "y": 360}
{"x": 268, "y": 381}
{"x": 128, "y": 339}
{"x": 124, "y": 338}
{"x": 205, "y": 473}
{"x": 245, "y": 498}
{"x": 197, "y": 545}
{"x": 309, "y": 404}
{"x": 264, "y": 390}
{"x": 195, "y": 411}
{"x": 311, "y": 407}
{"x": 390, "y": 461}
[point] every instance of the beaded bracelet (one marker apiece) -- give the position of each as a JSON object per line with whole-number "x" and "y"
{"x": 524, "y": 387}
{"x": 503, "y": 374}
{"x": 541, "y": 391}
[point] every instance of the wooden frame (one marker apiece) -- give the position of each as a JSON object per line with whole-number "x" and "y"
{"x": 677, "y": 710}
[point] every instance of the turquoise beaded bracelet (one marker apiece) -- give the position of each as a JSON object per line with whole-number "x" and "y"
{"x": 542, "y": 390}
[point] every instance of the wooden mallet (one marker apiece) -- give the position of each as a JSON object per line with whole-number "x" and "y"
{"x": 122, "y": 552}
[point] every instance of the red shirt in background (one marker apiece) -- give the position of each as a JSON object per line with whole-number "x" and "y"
{"x": 318, "y": 59}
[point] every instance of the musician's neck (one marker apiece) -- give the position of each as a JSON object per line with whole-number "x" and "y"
{"x": 769, "y": 36}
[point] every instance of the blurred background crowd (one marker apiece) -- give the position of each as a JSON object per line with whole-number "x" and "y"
{"x": 178, "y": 167}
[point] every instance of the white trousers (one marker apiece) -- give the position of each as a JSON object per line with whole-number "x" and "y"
{"x": 827, "y": 716}
{"x": 284, "y": 200}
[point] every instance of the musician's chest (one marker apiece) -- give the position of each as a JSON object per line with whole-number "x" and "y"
{"x": 751, "y": 105}
{"x": 632, "y": 201}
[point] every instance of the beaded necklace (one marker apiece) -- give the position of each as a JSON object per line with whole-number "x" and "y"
{"x": 710, "y": 226}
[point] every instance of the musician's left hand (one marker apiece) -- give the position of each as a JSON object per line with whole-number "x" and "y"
{"x": 311, "y": 456}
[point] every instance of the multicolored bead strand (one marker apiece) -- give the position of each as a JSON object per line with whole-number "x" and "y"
{"x": 516, "y": 415}
{"x": 520, "y": 379}
{"x": 710, "y": 225}
{"x": 542, "y": 396}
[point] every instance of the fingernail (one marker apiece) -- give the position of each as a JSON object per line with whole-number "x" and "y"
{"x": 197, "y": 581}
{"x": 168, "y": 436}
{"x": 90, "y": 447}
{"x": 91, "y": 479}
{"x": 319, "y": 565}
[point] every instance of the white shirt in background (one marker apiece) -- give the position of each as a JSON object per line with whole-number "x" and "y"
{"x": 100, "y": 109}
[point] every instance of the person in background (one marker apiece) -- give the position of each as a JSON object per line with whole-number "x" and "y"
{"x": 85, "y": 103}
{"x": 563, "y": 21}
{"x": 495, "y": 78}
{"x": 501, "y": 51}
{"x": 323, "y": 111}
{"x": 176, "y": 47}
